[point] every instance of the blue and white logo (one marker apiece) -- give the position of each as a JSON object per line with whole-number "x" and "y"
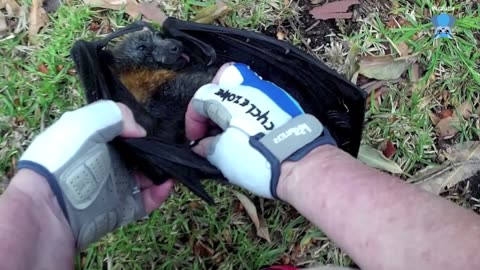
{"x": 443, "y": 25}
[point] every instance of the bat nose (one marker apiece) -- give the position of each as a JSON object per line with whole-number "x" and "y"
{"x": 174, "y": 46}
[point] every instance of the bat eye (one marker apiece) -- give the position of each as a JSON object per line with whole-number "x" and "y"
{"x": 141, "y": 48}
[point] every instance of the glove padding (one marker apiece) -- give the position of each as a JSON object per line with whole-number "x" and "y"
{"x": 263, "y": 126}
{"x": 90, "y": 181}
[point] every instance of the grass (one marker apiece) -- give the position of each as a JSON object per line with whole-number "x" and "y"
{"x": 187, "y": 234}
{"x": 403, "y": 115}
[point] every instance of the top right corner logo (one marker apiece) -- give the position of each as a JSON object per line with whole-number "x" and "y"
{"x": 443, "y": 25}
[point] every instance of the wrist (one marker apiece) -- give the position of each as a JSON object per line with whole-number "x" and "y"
{"x": 34, "y": 187}
{"x": 32, "y": 222}
{"x": 294, "y": 174}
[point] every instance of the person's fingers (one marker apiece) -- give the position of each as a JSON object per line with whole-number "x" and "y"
{"x": 154, "y": 196}
{"x": 142, "y": 180}
{"x": 196, "y": 125}
{"x": 203, "y": 146}
{"x": 131, "y": 129}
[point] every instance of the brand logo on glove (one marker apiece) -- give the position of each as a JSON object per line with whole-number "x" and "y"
{"x": 253, "y": 110}
{"x": 301, "y": 129}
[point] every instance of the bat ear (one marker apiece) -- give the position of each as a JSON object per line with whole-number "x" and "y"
{"x": 435, "y": 20}
{"x": 452, "y": 21}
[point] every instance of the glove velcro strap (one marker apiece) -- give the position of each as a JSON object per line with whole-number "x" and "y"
{"x": 292, "y": 141}
{"x": 51, "y": 180}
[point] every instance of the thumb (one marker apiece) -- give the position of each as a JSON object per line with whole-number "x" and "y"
{"x": 205, "y": 146}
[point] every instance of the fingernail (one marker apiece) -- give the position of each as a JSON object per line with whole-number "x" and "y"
{"x": 193, "y": 143}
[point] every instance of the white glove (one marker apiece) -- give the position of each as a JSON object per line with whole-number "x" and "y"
{"x": 263, "y": 126}
{"x": 94, "y": 189}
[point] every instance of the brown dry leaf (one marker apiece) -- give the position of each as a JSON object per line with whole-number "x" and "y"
{"x": 465, "y": 109}
{"x": 262, "y": 230}
{"x": 152, "y": 12}
{"x": 388, "y": 149}
{"x": 415, "y": 72}
{"x": 447, "y": 127}
{"x": 11, "y": 6}
{"x": 375, "y": 159}
{"x": 391, "y": 23}
{"x": 463, "y": 162}
{"x": 434, "y": 118}
{"x": 43, "y": 68}
{"x": 38, "y": 19}
{"x": 445, "y": 113}
{"x": 403, "y": 49}
{"x": 3, "y": 24}
{"x": 383, "y": 67}
{"x": 211, "y": 13}
{"x": 130, "y": 6}
{"x": 334, "y": 10}
{"x": 93, "y": 26}
{"x": 202, "y": 250}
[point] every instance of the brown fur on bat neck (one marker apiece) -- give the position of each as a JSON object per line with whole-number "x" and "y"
{"x": 142, "y": 83}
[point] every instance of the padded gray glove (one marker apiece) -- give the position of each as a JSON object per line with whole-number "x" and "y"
{"x": 93, "y": 187}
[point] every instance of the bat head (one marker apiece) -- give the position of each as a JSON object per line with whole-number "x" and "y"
{"x": 443, "y": 25}
{"x": 149, "y": 49}
{"x": 443, "y": 32}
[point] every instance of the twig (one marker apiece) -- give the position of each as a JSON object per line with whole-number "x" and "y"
{"x": 312, "y": 26}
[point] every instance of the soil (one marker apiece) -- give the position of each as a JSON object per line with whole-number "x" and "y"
{"x": 316, "y": 33}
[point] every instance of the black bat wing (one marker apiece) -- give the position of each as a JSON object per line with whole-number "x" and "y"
{"x": 158, "y": 160}
{"x": 335, "y": 101}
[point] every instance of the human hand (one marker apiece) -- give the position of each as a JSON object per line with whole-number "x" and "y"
{"x": 263, "y": 126}
{"x": 93, "y": 187}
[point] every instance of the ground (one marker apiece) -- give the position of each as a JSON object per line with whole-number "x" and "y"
{"x": 38, "y": 84}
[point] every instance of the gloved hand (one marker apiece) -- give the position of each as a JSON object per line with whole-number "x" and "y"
{"x": 263, "y": 126}
{"x": 93, "y": 187}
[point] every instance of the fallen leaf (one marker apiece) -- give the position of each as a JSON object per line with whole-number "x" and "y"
{"x": 3, "y": 24}
{"x": 376, "y": 159}
{"x": 389, "y": 149}
{"x": 280, "y": 35}
{"x": 152, "y": 12}
{"x": 445, "y": 113}
{"x": 59, "y": 68}
{"x": 38, "y": 19}
{"x": 434, "y": 118}
{"x": 447, "y": 127}
{"x": 43, "y": 68}
{"x": 463, "y": 161}
{"x": 130, "y": 6}
{"x": 465, "y": 109}
{"x": 258, "y": 221}
{"x": 403, "y": 49}
{"x": 415, "y": 72}
{"x": 211, "y": 13}
{"x": 202, "y": 250}
{"x": 334, "y": 10}
{"x": 11, "y": 6}
{"x": 284, "y": 260}
{"x": 93, "y": 26}
{"x": 383, "y": 67}
{"x": 391, "y": 23}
